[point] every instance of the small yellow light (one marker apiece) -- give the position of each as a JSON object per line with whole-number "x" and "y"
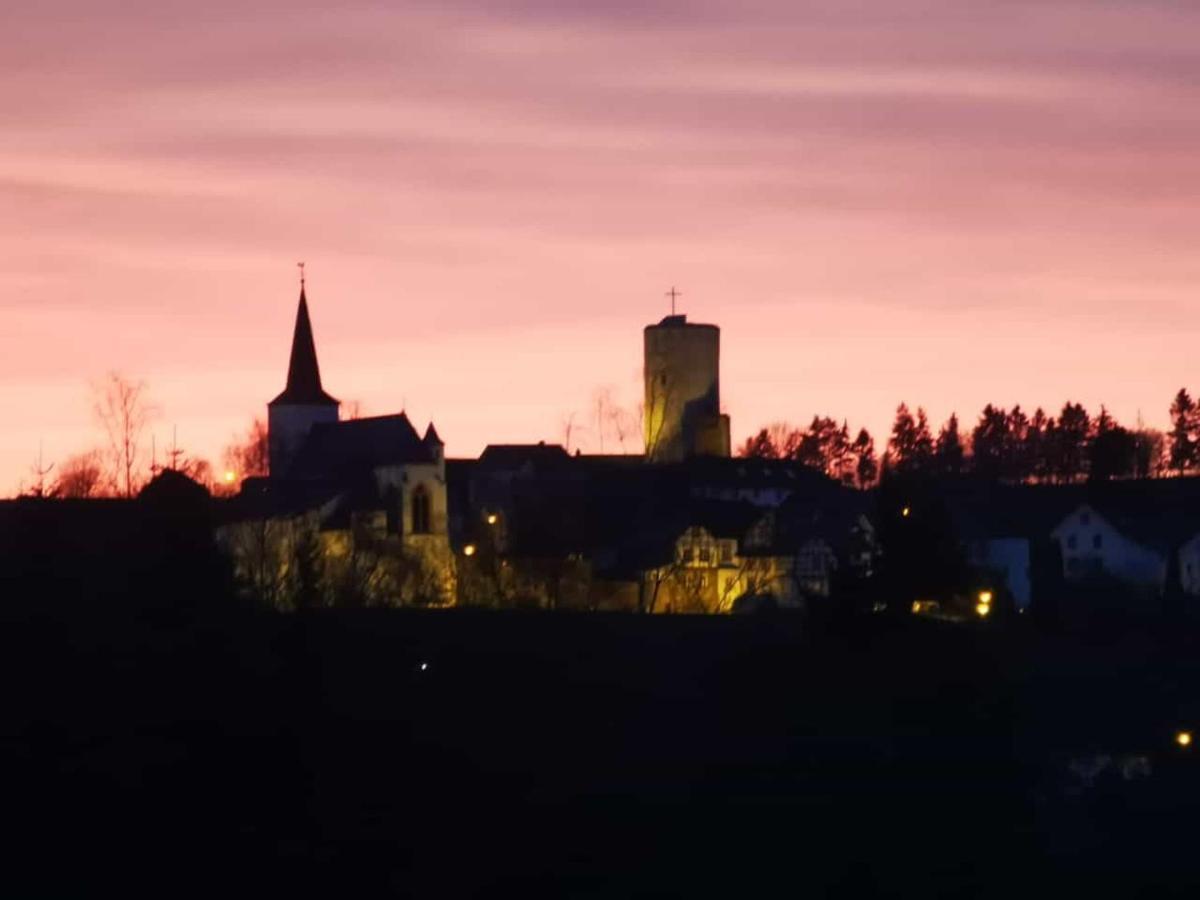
{"x": 230, "y": 476}
{"x": 469, "y": 550}
{"x": 491, "y": 519}
{"x": 985, "y": 597}
{"x": 905, "y": 512}
{"x": 1184, "y": 739}
{"x": 916, "y": 606}
{"x": 983, "y": 608}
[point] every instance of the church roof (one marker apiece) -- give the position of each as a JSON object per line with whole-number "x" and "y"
{"x": 304, "y": 375}
{"x": 431, "y": 435}
{"x": 341, "y": 449}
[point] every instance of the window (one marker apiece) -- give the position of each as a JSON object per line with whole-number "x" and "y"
{"x": 705, "y": 555}
{"x": 1070, "y": 542}
{"x": 1085, "y": 518}
{"x": 420, "y": 510}
{"x": 1097, "y": 540}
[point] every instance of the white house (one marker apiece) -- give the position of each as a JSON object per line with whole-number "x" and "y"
{"x": 1092, "y": 545}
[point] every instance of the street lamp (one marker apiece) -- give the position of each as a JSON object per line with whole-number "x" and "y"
{"x": 469, "y": 550}
{"x": 491, "y": 518}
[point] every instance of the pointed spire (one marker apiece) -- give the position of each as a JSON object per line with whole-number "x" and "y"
{"x": 431, "y": 435}
{"x": 304, "y": 375}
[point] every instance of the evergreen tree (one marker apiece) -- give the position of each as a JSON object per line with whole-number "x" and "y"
{"x": 1182, "y": 439}
{"x": 1035, "y": 444}
{"x": 989, "y": 441}
{"x": 949, "y": 449}
{"x": 866, "y": 468}
{"x": 1017, "y": 466}
{"x": 1071, "y": 444}
{"x": 1113, "y": 452}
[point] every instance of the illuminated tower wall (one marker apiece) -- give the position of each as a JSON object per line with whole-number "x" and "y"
{"x": 683, "y": 398}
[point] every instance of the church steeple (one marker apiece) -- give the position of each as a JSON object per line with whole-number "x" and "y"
{"x": 303, "y": 403}
{"x": 304, "y": 375}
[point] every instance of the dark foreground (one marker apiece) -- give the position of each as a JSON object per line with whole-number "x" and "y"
{"x": 447, "y": 754}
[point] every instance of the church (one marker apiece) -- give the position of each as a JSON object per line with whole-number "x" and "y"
{"x": 352, "y": 512}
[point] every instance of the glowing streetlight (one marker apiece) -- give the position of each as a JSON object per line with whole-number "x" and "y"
{"x": 906, "y": 512}
{"x": 491, "y": 519}
{"x": 985, "y": 596}
{"x": 469, "y": 550}
{"x": 1184, "y": 739}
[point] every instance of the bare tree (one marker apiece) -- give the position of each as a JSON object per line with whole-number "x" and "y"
{"x": 122, "y": 409}
{"x": 249, "y": 455}
{"x": 40, "y": 470}
{"x": 79, "y": 476}
{"x": 569, "y": 430}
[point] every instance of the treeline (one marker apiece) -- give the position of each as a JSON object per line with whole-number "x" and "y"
{"x": 127, "y": 456}
{"x": 1004, "y": 444}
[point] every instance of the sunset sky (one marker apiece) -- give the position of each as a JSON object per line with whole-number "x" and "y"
{"x": 947, "y": 203}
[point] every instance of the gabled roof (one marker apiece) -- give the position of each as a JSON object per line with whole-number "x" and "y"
{"x": 304, "y": 375}
{"x": 340, "y": 450}
{"x": 431, "y": 435}
{"x": 514, "y": 456}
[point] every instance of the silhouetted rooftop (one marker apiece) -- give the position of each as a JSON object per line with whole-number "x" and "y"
{"x": 341, "y": 449}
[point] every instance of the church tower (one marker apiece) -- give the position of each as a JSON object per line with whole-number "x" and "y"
{"x": 303, "y": 403}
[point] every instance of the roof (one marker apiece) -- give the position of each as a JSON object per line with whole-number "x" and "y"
{"x": 515, "y": 456}
{"x": 304, "y": 375}
{"x": 339, "y": 450}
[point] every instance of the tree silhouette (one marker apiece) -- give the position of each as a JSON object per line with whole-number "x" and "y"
{"x": 249, "y": 456}
{"x": 989, "y": 442}
{"x": 1113, "y": 453}
{"x": 1182, "y": 438}
{"x": 1070, "y": 446}
{"x": 866, "y": 466}
{"x": 123, "y": 410}
{"x": 80, "y": 476}
{"x": 948, "y": 451}
{"x": 760, "y": 446}
{"x": 910, "y": 450}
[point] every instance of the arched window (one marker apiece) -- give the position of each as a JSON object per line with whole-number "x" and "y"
{"x": 420, "y": 510}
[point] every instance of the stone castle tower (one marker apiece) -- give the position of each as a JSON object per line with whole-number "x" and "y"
{"x": 682, "y": 415}
{"x": 303, "y": 403}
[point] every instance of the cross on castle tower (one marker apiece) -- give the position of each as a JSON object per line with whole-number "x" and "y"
{"x": 673, "y": 294}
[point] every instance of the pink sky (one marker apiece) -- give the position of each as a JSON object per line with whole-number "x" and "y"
{"x": 947, "y": 203}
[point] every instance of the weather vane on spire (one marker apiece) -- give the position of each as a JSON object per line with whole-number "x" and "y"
{"x": 673, "y": 294}
{"x": 300, "y": 266}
